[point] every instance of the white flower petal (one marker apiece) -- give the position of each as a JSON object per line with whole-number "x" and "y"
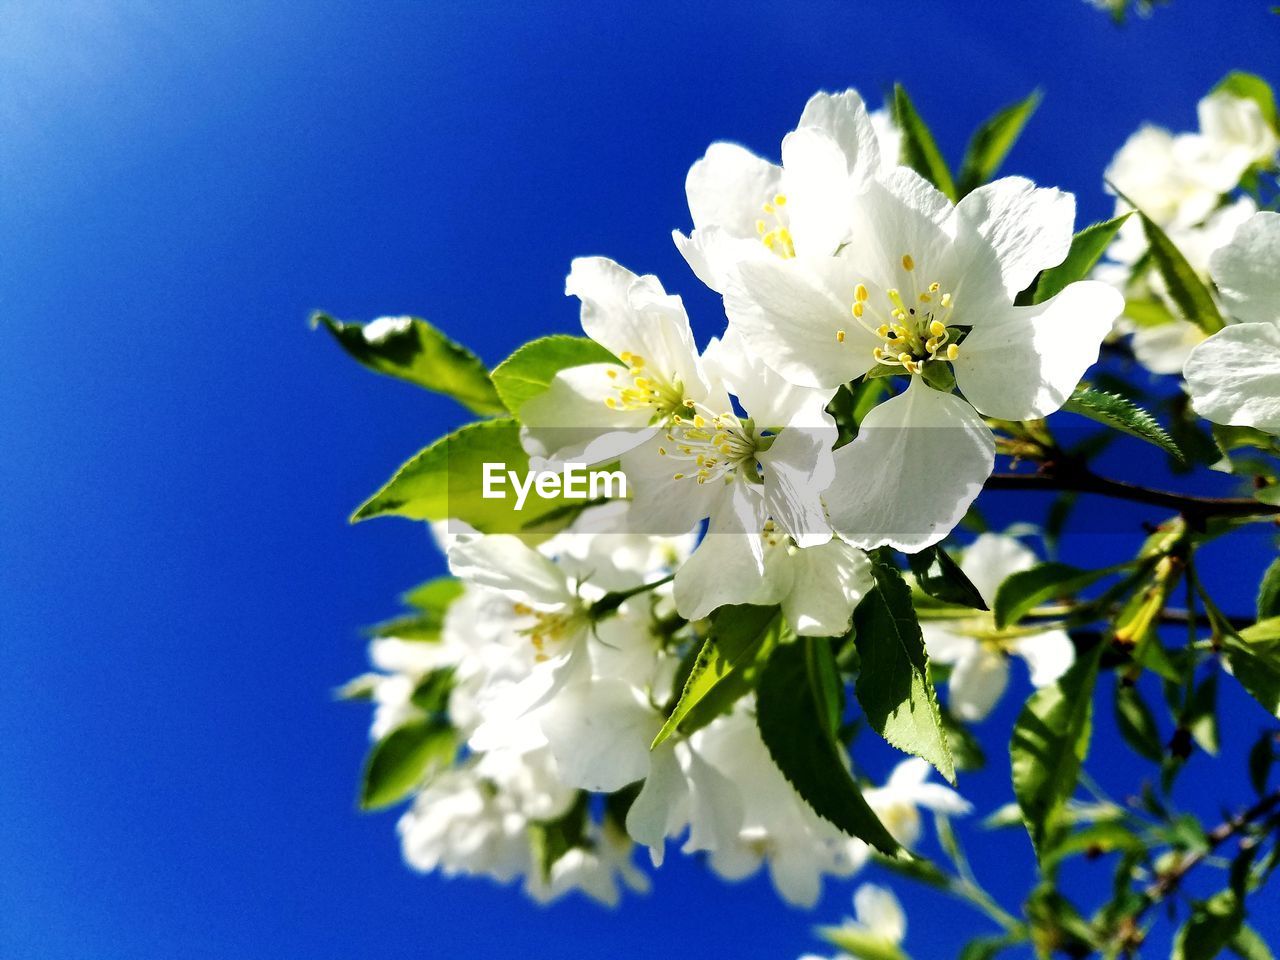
{"x": 879, "y": 911}
{"x": 599, "y": 732}
{"x": 909, "y": 476}
{"x": 723, "y": 570}
{"x": 977, "y": 683}
{"x": 1025, "y": 362}
{"x": 843, "y": 117}
{"x": 1234, "y": 377}
{"x": 1247, "y": 270}
{"x": 569, "y": 421}
{"x": 504, "y": 563}
{"x": 727, "y": 188}
{"x": 993, "y": 557}
{"x": 828, "y": 581}
{"x": 816, "y": 183}
{"x": 1049, "y": 655}
{"x": 658, "y": 808}
{"x": 1024, "y": 227}
{"x": 943, "y": 644}
{"x": 798, "y": 468}
{"x": 791, "y": 312}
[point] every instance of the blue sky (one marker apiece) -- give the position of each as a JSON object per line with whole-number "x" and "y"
{"x": 179, "y": 590}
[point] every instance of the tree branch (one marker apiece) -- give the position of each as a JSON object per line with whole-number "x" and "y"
{"x": 1080, "y": 480}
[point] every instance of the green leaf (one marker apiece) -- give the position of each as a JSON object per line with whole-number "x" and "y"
{"x": 893, "y": 683}
{"x": 446, "y": 481}
{"x": 1185, "y": 288}
{"x": 862, "y": 943}
{"x": 1250, "y": 86}
{"x": 358, "y": 688}
{"x": 1096, "y": 839}
{"x": 1249, "y": 945}
{"x": 965, "y": 748}
{"x": 1050, "y": 742}
{"x": 1201, "y": 717}
{"x": 740, "y": 636}
{"x": 1123, "y": 415}
{"x": 1258, "y": 670}
{"x": 992, "y": 142}
{"x": 798, "y": 710}
{"x": 529, "y": 371}
{"x": 434, "y": 596}
{"x": 403, "y": 759}
{"x": 919, "y": 151}
{"x": 1269, "y": 592}
{"x": 550, "y": 840}
{"x": 941, "y": 578}
{"x": 1087, "y": 248}
{"x": 412, "y": 349}
{"x": 1137, "y": 723}
{"x": 1212, "y": 925}
{"x": 1021, "y": 592}
{"x": 1262, "y": 756}
{"x": 938, "y": 374}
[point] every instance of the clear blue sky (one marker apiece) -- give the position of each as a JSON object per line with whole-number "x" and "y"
{"x": 180, "y": 185}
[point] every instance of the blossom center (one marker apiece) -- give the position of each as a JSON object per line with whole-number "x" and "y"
{"x": 714, "y": 444}
{"x": 774, "y": 230}
{"x": 912, "y": 325}
{"x": 638, "y": 388}
{"x": 550, "y": 628}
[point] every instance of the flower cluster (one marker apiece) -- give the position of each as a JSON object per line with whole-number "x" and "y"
{"x": 691, "y": 660}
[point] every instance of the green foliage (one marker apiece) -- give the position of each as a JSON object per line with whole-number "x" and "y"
{"x": 445, "y": 481}
{"x": 1269, "y": 592}
{"x": 919, "y": 151}
{"x": 529, "y": 371}
{"x": 1122, "y": 415}
{"x": 893, "y": 684}
{"x": 434, "y": 596}
{"x": 742, "y": 637}
{"x": 1212, "y": 925}
{"x": 550, "y": 840}
{"x": 1137, "y": 723}
{"x": 992, "y": 142}
{"x": 1257, "y": 667}
{"x": 941, "y": 578}
{"x": 1021, "y": 592}
{"x": 798, "y": 710}
{"x": 403, "y": 759}
{"x": 1050, "y": 742}
{"x": 1087, "y": 247}
{"x": 1186, "y": 289}
{"x": 862, "y": 943}
{"x": 419, "y": 353}
{"x": 1250, "y": 86}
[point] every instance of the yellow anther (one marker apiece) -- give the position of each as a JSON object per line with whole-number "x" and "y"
{"x": 907, "y": 262}
{"x": 953, "y": 351}
{"x": 937, "y": 328}
{"x": 662, "y": 451}
{"x": 699, "y": 421}
{"x": 857, "y": 309}
{"x": 677, "y": 476}
{"x": 901, "y": 332}
{"x": 610, "y": 402}
{"x": 642, "y": 383}
{"x": 882, "y": 331}
{"x": 780, "y": 200}
{"x": 726, "y": 449}
{"x": 935, "y": 287}
{"x": 637, "y": 361}
{"x": 904, "y": 358}
{"x": 877, "y": 353}
{"x": 839, "y": 336}
{"x": 625, "y": 356}
{"x": 760, "y": 227}
{"x": 925, "y": 298}
{"x": 612, "y": 374}
{"x": 860, "y": 292}
{"x": 946, "y": 299}
{"x": 768, "y": 208}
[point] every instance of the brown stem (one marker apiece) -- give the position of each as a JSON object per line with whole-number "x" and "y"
{"x": 1216, "y": 837}
{"x": 1080, "y": 480}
